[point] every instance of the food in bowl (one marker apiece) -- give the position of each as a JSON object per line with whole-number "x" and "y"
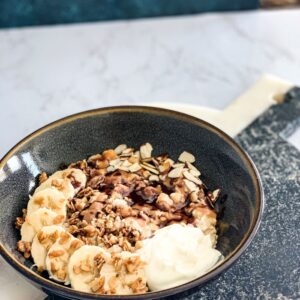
{"x": 122, "y": 222}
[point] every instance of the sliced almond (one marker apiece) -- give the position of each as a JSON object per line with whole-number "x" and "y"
{"x": 135, "y": 167}
{"x": 154, "y": 178}
{"x": 119, "y": 149}
{"x": 126, "y": 163}
{"x": 123, "y": 168}
{"x": 177, "y": 165}
{"x": 193, "y": 168}
{"x": 162, "y": 177}
{"x": 146, "y": 150}
{"x": 192, "y": 178}
{"x": 215, "y": 195}
{"x": 193, "y": 196}
{"x": 115, "y": 162}
{"x": 191, "y": 186}
{"x": 170, "y": 161}
{"x": 186, "y": 157}
{"x": 175, "y": 173}
{"x": 111, "y": 168}
{"x": 149, "y": 168}
{"x": 194, "y": 173}
{"x": 127, "y": 151}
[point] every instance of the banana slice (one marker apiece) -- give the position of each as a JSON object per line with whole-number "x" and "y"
{"x": 83, "y": 265}
{"x": 42, "y": 242}
{"x": 49, "y": 198}
{"x": 38, "y": 219}
{"x": 131, "y": 272}
{"x": 68, "y": 181}
{"x": 77, "y": 177}
{"x": 58, "y": 256}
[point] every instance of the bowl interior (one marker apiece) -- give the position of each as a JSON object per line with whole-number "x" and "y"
{"x": 221, "y": 163}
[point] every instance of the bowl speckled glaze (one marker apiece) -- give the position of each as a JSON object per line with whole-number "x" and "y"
{"x": 222, "y": 162}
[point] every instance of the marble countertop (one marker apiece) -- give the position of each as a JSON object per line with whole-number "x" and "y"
{"x": 49, "y": 72}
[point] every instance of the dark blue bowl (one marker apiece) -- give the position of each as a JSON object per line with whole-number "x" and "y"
{"x": 221, "y": 160}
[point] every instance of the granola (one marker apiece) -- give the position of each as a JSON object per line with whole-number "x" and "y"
{"x": 113, "y": 200}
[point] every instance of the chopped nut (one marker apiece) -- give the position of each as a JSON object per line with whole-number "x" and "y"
{"x": 64, "y": 237}
{"x": 76, "y": 269}
{"x": 109, "y": 154}
{"x": 56, "y": 253}
{"x": 19, "y": 222}
{"x": 58, "y": 219}
{"x": 97, "y": 284}
{"x": 43, "y": 177}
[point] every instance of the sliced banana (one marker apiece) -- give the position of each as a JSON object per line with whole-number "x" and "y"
{"x": 42, "y": 242}
{"x": 58, "y": 256}
{"x": 38, "y": 219}
{"x": 79, "y": 178}
{"x": 131, "y": 271}
{"x": 61, "y": 183}
{"x": 68, "y": 181}
{"x": 82, "y": 266}
{"x": 93, "y": 269}
{"x": 49, "y": 198}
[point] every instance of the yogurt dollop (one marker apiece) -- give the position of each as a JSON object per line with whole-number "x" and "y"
{"x": 177, "y": 254}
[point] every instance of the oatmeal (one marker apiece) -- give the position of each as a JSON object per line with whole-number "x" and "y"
{"x": 111, "y": 205}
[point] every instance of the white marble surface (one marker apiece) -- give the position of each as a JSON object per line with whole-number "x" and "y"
{"x": 50, "y": 72}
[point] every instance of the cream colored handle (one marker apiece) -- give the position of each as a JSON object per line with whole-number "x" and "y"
{"x": 269, "y": 90}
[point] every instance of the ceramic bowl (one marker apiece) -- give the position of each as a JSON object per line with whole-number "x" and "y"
{"x": 221, "y": 160}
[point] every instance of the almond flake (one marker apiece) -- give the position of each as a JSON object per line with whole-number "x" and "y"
{"x": 162, "y": 177}
{"x": 119, "y": 149}
{"x": 127, "y": 151}
{"x": 215, "y": 194}
{"x": 154, "y": 178}
{"x": 175, "y": 173}
{"x": 126, "y": 163}
{"x": 151, "y": 169}
{"x": 115, "y": 162}
{"x": 194, "y": 173}
{"x": 192, "y": 178}
{"x": 191, "y": 186}
{"x": 134, "y": 168}
{"x": 186, "y": 157}
{"x": 177, "y": 165}
{"x": 123, "y": 168}
{"x": 191, "y": 167}
{"x": 111, "y": 168}
{"x": 146, "y": 150}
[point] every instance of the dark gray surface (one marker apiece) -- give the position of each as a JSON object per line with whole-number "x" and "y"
{"x": 270, "y": 267}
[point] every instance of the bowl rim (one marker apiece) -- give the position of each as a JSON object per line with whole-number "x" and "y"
{"x": 50, "y": 286}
